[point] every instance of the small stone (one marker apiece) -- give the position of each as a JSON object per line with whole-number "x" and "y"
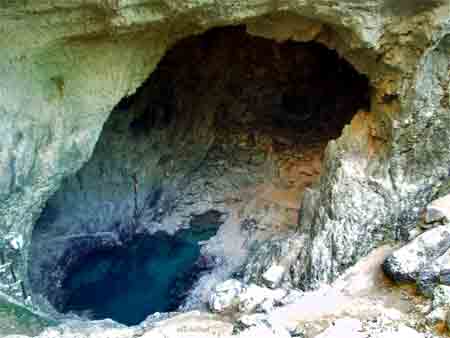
{"x": 273, "y": 276}
{"x": 438, "y": 210}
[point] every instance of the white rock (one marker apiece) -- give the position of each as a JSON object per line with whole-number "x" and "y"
{"x": 293, "y": 296}
{"x": 436, "y": 316}
{"x": 248, "y": 320}
{"x": 262, "y": 331}
{"x": 392, "y": 314}
{"x": 438, "y": 210}
{"x": 344, "y": 328}
{"x": 224, "y": 297}
{"x": 254, "y": 296}
{"x": 251, "y": 297}
{"x": 406, "y": 263}
{"x": 189, "y": 325}
{"x": 402, "y": 332}
{"x": 267, "y": 305}
{"x": 441, "y": 296}
{"x": 262, "y": 326}
{"x": 273, "y": 275}
{"x": 413, "y": 233}
{"x": 16, "y": 242}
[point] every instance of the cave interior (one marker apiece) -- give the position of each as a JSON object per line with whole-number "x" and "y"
{"x": 226, "y": 118}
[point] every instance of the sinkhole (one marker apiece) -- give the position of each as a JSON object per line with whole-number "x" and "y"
{"x": 227, "y": 124}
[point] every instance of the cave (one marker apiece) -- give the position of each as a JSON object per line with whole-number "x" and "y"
{"x": 216, "y": 146}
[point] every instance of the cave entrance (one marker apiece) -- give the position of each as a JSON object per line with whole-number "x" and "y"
{"x": 226, "y": 122}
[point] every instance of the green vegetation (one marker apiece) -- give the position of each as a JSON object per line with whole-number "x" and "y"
{"x": 15, "y": 319}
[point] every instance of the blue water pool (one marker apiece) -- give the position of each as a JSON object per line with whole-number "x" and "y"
{"x": 151, "y": 274}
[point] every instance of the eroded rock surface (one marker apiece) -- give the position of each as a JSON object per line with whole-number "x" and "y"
{"x": 65, "y": 66}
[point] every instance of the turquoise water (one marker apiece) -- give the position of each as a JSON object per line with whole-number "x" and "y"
{"x": 127, "y": 284}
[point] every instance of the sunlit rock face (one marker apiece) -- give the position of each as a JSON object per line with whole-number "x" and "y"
{"x": 65, "y": 68}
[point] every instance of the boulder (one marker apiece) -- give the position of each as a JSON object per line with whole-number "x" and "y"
{"x": 441, "y": 296}
{"x": 438, "y": 210}
{"x": 255, "y": 296}
{"x": 407, "y": 263}
{"x": 232, "y": 295}
{"x": 224, "y": 297}
{"x": 273, "y": 275}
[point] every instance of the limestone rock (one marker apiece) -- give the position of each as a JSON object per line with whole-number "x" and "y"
{"x": 438, "y": 210}
{"x": 234, "y": 295}
{"x": 436, "y": 316}
{"x": 273, "y": 275}
{"x": 259, "y": 323}
{"x": 225, "y": 296}
{"x": 441, "y": 296}
{"x": 269, "y": 261}
{"x": 406, "y": 264}
{"x": 65, "y": 66}
{"x": 401, "y": 332}
{"x": 189, "y": 325}
{"x": 353, "y": 328}
{"x": 427, "y": 279}
{"x": 344, "y": 327}
{"x": 264, "y": 331}
{"x": 84, "y": 329}
{"x": 253, "y": 296}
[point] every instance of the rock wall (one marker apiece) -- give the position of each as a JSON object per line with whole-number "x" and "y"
{"x": 66, "y": 65}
